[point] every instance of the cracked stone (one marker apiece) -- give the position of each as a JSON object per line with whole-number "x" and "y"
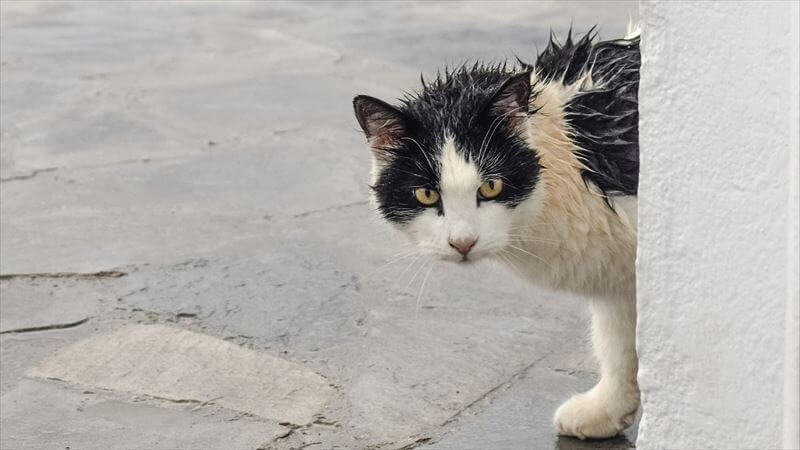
{"x": 184, "y": 366}
{"x": 29, "y": 175}
{"x": 522, "y": 417}
{"x": 40, "y": 414}
{"x": 32, "y": 304}
{"x": 74, "y": 275}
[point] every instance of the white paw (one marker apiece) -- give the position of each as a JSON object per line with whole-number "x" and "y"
{"x": 590, "y": 415}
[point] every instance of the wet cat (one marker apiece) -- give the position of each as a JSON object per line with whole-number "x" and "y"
{"x": 535, "y": 165}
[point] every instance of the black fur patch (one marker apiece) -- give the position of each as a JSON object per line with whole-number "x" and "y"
{"x": 458, "y": 104}
{"x": 605, "y": 117}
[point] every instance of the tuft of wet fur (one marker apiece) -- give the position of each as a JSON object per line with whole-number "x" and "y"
{"x": 603, "y": 112}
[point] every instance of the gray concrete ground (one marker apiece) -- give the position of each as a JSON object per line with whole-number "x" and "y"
{"x": 188, "y": 256}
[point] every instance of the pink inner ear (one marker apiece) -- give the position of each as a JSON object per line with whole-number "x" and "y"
{"x": 385, "y": 130}
{"x": 382, "y": 123}
{"x": 511, "y": 100}
{"x": 506, "y": 104}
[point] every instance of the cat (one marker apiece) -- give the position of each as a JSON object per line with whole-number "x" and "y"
{"x": 535, "y": 165}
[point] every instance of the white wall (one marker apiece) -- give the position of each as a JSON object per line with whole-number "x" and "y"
{"x": 718, "y": 225}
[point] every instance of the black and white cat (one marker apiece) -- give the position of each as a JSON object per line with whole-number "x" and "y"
{"x": 536, "y": 165}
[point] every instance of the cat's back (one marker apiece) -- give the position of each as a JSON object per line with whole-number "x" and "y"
{"x": 603, "y": 111}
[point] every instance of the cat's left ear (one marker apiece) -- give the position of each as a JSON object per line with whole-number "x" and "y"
{"x": 511, "y": 101}
{"x": 383, "y": 124}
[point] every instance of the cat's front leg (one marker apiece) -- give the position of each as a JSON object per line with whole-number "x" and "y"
{"x": 611, "y": 405}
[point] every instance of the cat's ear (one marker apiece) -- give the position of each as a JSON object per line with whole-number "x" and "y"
{"x": 511, "y": 101}
{"x": 383, "y": 124}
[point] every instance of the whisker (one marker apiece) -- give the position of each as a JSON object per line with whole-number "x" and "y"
{"x": 538, "y": 223}
{"x": 502, "y": 254}
{"x": 535, "y": 256}
{"x": 430, "y": 164}
{"x": 492, "y": 128}
{"x": 505, "y": 255}
{"x": 531, "y": 238}
{"x": 416, "y": 258}
{"x": 406, "y": 254}
{"x": 531, "y": 225}
{"x": 528, "y": 236}
{"x": 415, "y": 275}
{"x": 531, "y": 241}
{"x": 417, "y": 175}
{"x": 519, "y": 259}
{"x": 422, "y": 287}
{"x": 523, "y": 238}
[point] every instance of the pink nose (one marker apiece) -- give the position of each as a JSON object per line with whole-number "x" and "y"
{"x": 463, "y": 245}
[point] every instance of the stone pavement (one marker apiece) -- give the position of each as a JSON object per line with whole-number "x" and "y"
{"x": 189, "y": 259}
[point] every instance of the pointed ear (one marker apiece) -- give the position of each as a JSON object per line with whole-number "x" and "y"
{"x": 511, "y": 99}
{"x": 383, "y": 124}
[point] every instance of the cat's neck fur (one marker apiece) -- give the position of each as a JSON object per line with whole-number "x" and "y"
{"x": 581, "y": 244}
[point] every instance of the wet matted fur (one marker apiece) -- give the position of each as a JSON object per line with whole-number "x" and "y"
{"x": 535, "y": 165}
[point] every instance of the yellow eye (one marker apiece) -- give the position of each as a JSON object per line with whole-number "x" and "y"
{"x": 491, "y": 189}
{"x": 427, "y": 197}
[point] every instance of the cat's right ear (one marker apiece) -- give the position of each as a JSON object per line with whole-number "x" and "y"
{"x": 383, "y": 124}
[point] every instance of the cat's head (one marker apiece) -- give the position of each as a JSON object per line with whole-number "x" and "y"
{"x": 452, "y": 167}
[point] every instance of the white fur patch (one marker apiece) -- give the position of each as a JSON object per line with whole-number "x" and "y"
{"x": 463, "y": 219}
{"x": 458, "y": 183}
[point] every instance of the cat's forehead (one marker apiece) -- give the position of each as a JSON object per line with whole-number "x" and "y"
{"x": 454, "y": 104}
{"x": 459, "y": 175}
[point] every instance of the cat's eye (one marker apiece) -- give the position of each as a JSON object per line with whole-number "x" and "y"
{"x": 427, "y": 197}
{"x": 490, "y": 189}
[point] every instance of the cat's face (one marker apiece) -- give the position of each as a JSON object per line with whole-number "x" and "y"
{"x": 452, "y": 168}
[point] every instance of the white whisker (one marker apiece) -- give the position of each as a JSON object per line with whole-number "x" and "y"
{"x": 430, "y": 164}
{"x": 535, "y": 256}
{"x": 492, "y": 128}
{"x": 530, "y": 225}
{"x": 405, "y": 255}
{"x": 522, "y": 237}
{"x": 416, "y": 258}
{"x": 415, "y": 274}
{"x": 422, "y": 287}
{"x": 503, "y": 254}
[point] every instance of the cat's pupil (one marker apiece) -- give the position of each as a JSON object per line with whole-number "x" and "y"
{"x": 491, "y": 185}
{"x": 428, "y": 193}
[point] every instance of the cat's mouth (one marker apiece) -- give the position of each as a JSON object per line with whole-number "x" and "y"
{"x": 465, "y": 259}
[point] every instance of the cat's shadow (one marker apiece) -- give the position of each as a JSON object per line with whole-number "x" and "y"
{"x": 625, "y": 440}
{"x": 571, "y": 443}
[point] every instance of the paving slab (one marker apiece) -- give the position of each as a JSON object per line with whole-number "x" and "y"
{"x": 190, "y": 367}
{"x": 42, "y": 414}
{"x": 20, "y": 352}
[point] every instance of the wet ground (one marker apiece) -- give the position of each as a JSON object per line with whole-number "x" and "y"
{"x": 189, "y": 258}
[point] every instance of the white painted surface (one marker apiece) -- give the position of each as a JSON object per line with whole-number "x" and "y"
{"x": 718, "y": 221}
